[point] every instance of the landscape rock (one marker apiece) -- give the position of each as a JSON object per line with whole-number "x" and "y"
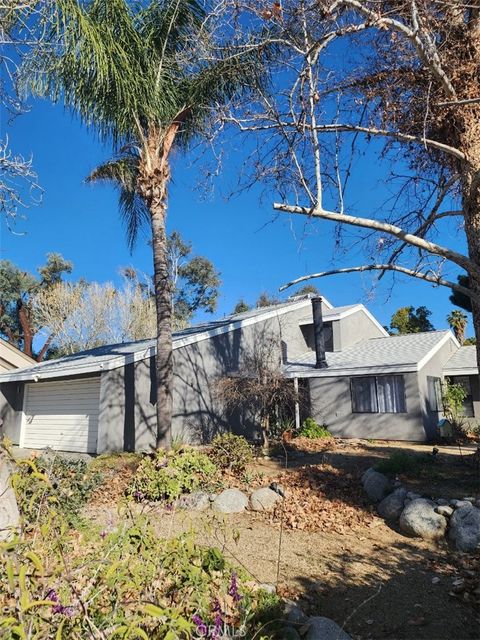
{"x": 198, "y": 501}
{"x": 376, "y": 485}
{"x": 367, "y": 473}
{"x": 9, "y": 514}
{"x": 289, "y": 633}
{"x": 419, "y": 519}
{"x": 391, "y": 507}
{"x": 444, "y": 510}
{"x": 324, "y": 629}
{"x": 231, "y": 501}
{"x": 411, "y": 495}
{"x": 460, "y": 503}
{"x": 264, "y": 499}
{"x": 442, "y": 502}
{"x": 267, "y": 586}
{"x": 465, "y": 528}
{"x": 294, "y": 614}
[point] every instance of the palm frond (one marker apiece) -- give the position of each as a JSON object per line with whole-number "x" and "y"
{"x": 123, "y": 173}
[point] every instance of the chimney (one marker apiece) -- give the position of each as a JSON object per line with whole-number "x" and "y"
{"x": 321, "y": 362}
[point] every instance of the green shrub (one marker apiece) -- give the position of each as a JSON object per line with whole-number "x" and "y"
{"x": 63, "y": 482}
{"x": 124, "y": 582}
{"x": 232, "y": 452}
{"x": 169, "y": 474}
{"x": 405, "y": 462}
{"x": 313, "y": 430}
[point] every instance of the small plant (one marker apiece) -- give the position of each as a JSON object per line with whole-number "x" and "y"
{"x": 169, "y": 474}
{"x": 66, "y": 483}
{"x": 404, "y": 462}
{"x": 313, "y": 430}
{"x": 453, "y": 396}
{"x": 231, "y": 452}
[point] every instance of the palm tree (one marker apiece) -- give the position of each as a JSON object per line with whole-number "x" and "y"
{"x": 135, "y": 73}
{"x": 458, "y": 322}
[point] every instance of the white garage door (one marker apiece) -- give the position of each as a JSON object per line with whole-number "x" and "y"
{"x": 62, "y": 415}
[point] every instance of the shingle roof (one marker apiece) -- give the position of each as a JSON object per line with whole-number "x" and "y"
{"x": 117, "y": 355}
{"x": 376, "y": 354}
{"x": 463, "y": 361}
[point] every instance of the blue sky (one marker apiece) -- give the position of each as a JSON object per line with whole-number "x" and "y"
{"x": 254, "y": 250}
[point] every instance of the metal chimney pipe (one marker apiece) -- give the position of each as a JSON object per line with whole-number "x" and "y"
{"x": 321, "y": 362}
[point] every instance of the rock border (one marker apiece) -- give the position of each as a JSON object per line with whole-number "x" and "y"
{"x": 420, "y": 516}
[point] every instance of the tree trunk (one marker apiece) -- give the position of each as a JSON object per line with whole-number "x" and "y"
{"x": 154, "y": 174}
{"x": 471, "y": 207}
{"x": 25, "y": 323}
{"x": 163, "y": 303}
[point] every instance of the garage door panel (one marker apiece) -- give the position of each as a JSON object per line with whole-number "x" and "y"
{"x": 62, "y": 415}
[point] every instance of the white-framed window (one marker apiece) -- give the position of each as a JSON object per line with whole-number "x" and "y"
{"x": 378, "y": 394}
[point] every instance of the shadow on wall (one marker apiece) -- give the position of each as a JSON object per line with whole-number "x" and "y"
{"x": 198, "y": 412}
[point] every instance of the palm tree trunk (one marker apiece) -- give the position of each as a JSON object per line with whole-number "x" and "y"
{"x": 154, "y": 174}
{"x": 163, "y": 303}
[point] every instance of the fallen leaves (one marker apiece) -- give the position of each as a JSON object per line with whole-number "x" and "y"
{"x": 322, "y": 498}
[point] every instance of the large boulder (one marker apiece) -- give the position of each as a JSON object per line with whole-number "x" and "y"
{"x": 324, "y": 629}
{"x": 294, "y": 614}
{"x": 391, "y": 507}
{"x": 9, "y": 514}
{"x": 231, "y": 501}
{"x": 465, "y": 528}
{"x": 264, "y": 499}
{"x": 419, "y": 519}
{"x": 376, "y": 485}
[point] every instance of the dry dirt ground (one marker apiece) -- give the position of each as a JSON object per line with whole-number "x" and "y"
{"x": 332, "y": 553}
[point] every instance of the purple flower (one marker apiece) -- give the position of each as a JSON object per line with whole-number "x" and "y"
{"x": 65, "y": 611}
{"x": 103, "y": 534}
{"x": 202, "y": 628}
{"x": 52, "y": 595}
{"x": 233, "y": 588}
{"x": 169, "y": 506}
{"x": 217, "y": 627}
{"x": 138, "y": 495}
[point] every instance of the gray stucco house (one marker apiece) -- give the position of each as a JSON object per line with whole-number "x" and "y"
{"x": 368, "y": 384}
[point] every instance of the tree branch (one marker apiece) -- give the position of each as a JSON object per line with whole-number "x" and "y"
{"x": 435, "y": 249}
{"x": 426, "y": 50}
{"x": 388, "y": 267}
{"x": 394, "y": 134}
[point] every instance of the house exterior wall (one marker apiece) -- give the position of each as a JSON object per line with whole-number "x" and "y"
{"x": 127, "y": 396}
{"x": 331, "y": 404}
{"x": 354, "y": 328}
{"x": 433, "y": 368}
{"x": 11, "y": 404}
{"x": 12, "y": 358}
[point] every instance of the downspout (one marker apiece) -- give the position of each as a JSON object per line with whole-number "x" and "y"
{"x": 297, "y": 406}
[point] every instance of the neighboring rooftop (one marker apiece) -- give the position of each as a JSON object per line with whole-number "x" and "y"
{"x": 376, "y": 355}
{"x": 463, "y": 362}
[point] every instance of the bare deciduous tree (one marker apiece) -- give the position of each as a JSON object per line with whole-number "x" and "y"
{"x": 259, "y": 384}
{"x": 397, "y": 81}
{"x": 19, "y": 32}
{"x": 80, "y": 316}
